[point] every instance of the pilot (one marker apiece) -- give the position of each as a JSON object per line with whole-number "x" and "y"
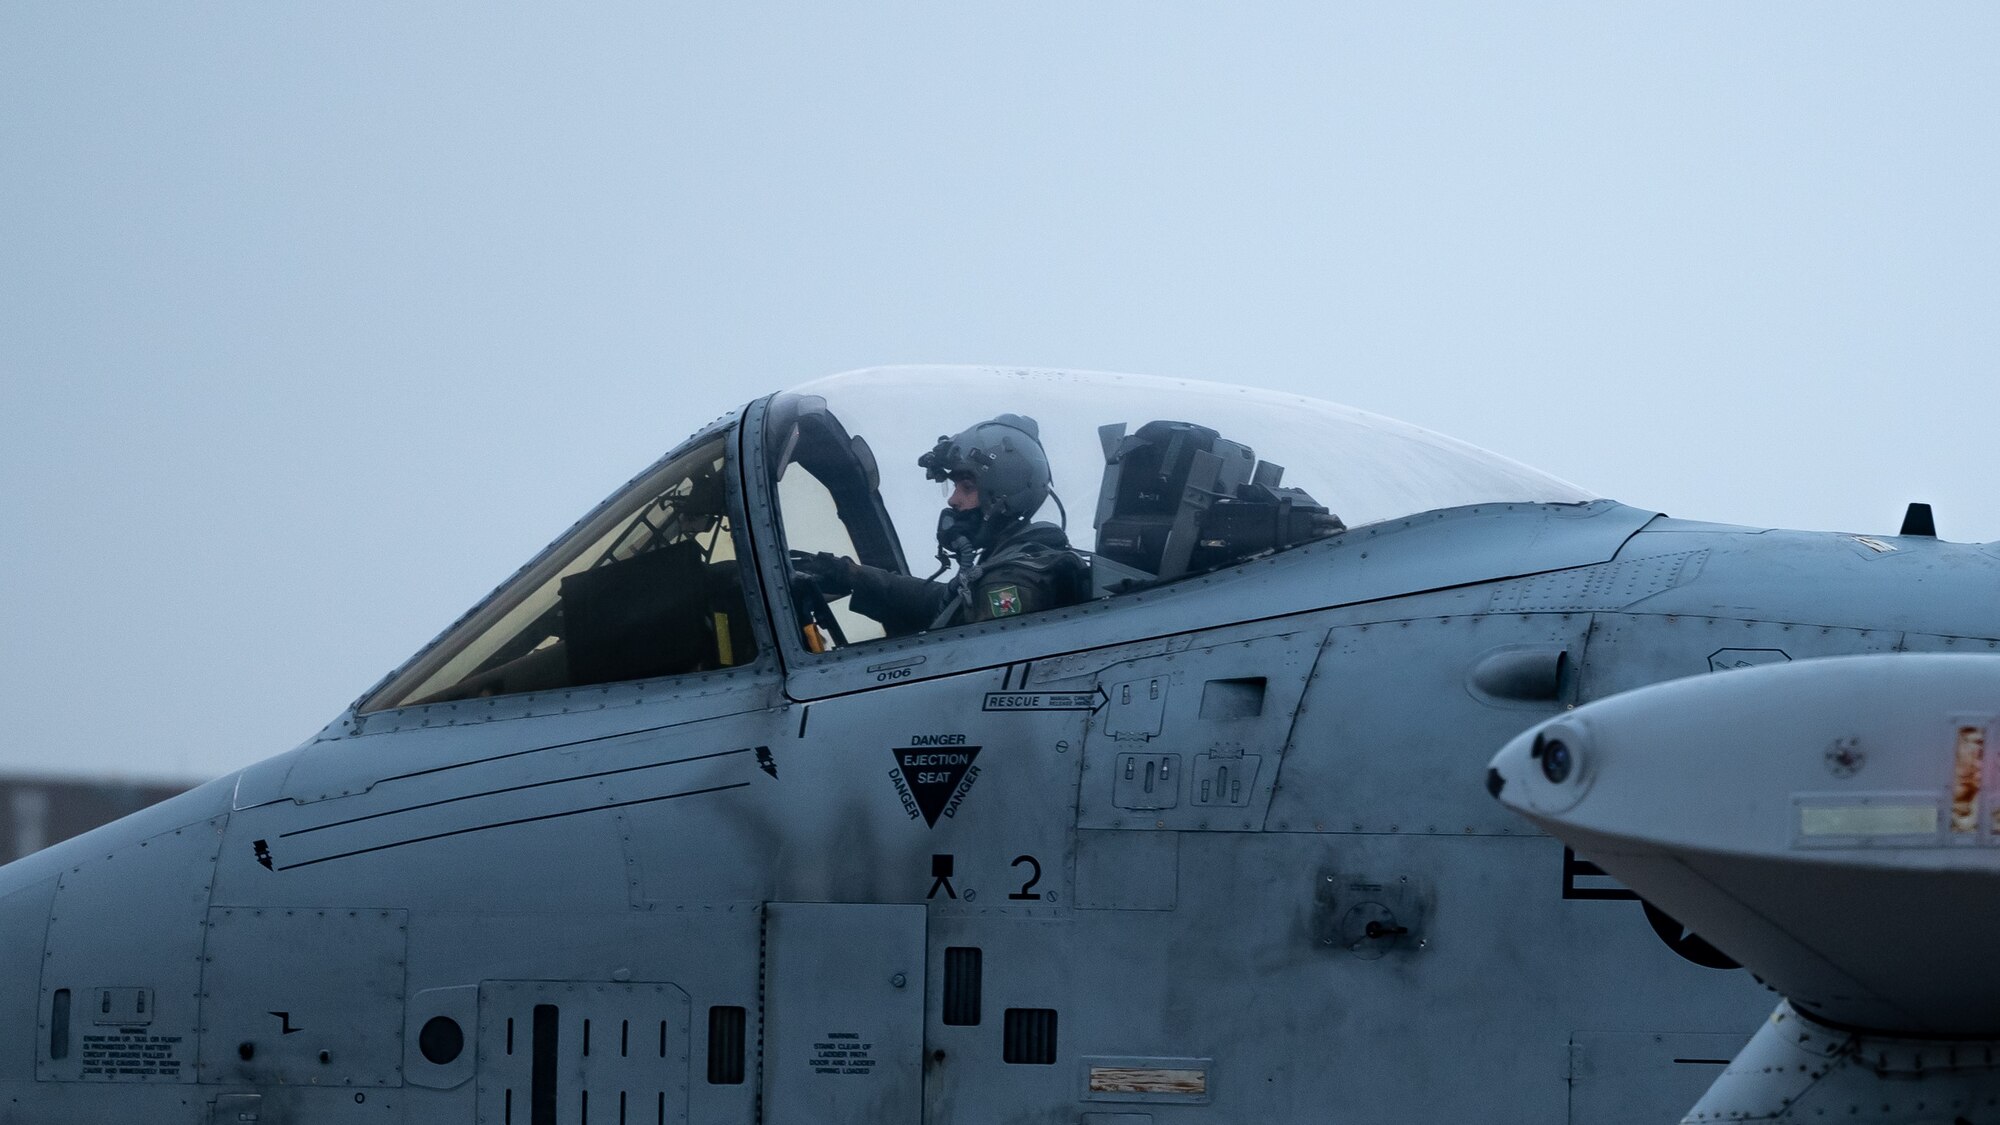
{"x": 998, "y": 476}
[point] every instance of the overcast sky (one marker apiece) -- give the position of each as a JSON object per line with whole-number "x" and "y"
{"x": 317, "y": 319}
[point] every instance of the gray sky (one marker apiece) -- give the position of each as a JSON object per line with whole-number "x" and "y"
{"x": 317, "y": 319}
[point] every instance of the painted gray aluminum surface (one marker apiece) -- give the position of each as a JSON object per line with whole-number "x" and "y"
{"x": 1224, "y": 848}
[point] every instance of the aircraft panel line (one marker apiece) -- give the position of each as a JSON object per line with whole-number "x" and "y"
{"x": 531, "y": 750}
{"x": 512, "y": 789}
{"x": 511, "y": 823}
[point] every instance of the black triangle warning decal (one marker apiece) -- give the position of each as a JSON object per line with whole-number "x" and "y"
{"x": 932, "y": 775}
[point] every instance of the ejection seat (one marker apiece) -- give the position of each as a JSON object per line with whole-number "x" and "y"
{"x": 1180, "y": 499}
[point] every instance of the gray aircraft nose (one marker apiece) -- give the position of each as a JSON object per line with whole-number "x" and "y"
{"x": 25, "y": 897}
{"x": 112, "y": 913}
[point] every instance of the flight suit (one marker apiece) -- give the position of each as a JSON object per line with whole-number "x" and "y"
{"x": 1030, "y": 569}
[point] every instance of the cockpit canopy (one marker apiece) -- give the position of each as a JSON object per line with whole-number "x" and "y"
{"x": 1152, "y": 479}
{"x": 1363, "y": 467}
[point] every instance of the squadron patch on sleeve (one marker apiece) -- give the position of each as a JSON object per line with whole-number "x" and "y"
{"x": 1005, "y": 600}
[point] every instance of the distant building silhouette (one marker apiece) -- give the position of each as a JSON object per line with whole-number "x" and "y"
{"x": 38, "y": 811}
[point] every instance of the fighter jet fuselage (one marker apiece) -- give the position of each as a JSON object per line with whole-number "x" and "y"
{"x": 1214, "y": 845}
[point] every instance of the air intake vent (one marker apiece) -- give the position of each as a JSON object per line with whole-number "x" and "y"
{"x": 725, "y": 1046}
{"x": 1233, "y": 699}
{"x": 1030, "y": 1036}
{"x": 961, "y": 986}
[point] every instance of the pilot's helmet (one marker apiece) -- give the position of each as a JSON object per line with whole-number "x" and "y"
{"x": 1004, "y": 457}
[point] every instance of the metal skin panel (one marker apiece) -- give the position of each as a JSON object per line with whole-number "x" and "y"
{"x": 1061, "y": 963}
{"x": 77, "y": 1104}
{"x": 1795, "y": 1071}
{"x": 530, "y": 821}
{"x": 1389, "y": 735}
{"x": 303, "y": 997}
{"x": 350, "y": 766}
{"x": 263, "y": 782}
{"x": 1614, "y": 585}
{"x": 1835, "y": 580}
{"x": 710, "y": 953}
{"x": 844, "y": 1001}
{"x": 570, "y": 1053}
{"x": 1632, "y": 650}
{"x": 1473, "y": 975}
{"x": 130, "y": 918}
{"x": 1156, "y": 756}
{"x": 1294, "y": 1026}
{"x": 1127, "y": 870}
{"x": 852, "y": 818}
{"x": 1605, "y": 1066}
{"x": 24, "y": 924}
{"x": 1925, "y": 642}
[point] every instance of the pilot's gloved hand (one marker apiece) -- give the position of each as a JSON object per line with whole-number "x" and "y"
{"x": 833, "y": 574}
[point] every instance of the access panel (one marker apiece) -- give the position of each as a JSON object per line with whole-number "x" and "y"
{"x": 844, "y": 1011}
{"x": 1192, "y": 741}
{"x": 582, "y": 1053}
